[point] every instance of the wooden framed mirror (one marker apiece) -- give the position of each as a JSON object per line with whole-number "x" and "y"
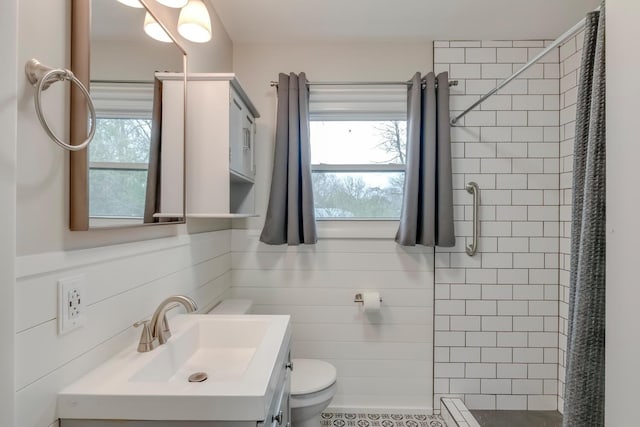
{"x": 132, "y": 173}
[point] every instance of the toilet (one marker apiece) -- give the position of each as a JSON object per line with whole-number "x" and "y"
{"x": 313, "y": 382}
{"x": 313, "y": 385}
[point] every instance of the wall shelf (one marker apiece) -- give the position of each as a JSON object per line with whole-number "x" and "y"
{"x": 222, "y": 215}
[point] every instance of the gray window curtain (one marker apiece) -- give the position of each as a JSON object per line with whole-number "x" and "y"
{"x": 290, "y": 215}
{"x": 584, "y": 388}
{"x": 152, "y": 198}
{"x": 427, "y": 205}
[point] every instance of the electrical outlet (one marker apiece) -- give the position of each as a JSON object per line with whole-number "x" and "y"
{"x": 70, "y": 304}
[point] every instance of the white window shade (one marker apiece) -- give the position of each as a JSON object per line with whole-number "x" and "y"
{"x": 358, "y": 102}
{"x": 122, "y": 100}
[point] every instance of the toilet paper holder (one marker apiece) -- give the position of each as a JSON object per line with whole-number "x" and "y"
{"x": 358, "y": 298}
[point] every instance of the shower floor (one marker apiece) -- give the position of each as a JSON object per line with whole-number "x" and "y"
{"x": 350, "y": 419}
{"x": 518, "y": 418}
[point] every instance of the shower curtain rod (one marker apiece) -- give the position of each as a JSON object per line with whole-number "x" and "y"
{"x": 406, "y": 83}
{"x": 557, "y": 42}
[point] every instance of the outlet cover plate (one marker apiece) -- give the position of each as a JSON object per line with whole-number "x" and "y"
{"x": 70, "y": 304}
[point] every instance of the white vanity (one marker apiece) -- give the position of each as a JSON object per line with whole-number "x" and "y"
{"x": 245, "y": 359}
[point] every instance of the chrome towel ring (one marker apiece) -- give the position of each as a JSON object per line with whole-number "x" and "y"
{"x": 41, "y": 77}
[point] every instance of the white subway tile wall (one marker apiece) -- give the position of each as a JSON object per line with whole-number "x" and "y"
{"x": 496, "y": 314}
{"x": 570, "y": 56}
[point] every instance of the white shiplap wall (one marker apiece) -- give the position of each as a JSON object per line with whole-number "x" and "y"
{"x": 383, "y": 360}
{"x": 496, "y": 314}
{"x": 570, "y": 58}
{"x": 124, "y": 283}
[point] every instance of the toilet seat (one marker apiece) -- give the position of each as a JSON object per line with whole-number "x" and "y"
{"x": 311, "y": 376}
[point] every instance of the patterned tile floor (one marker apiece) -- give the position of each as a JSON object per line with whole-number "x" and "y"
{"x": 336, "y": 419}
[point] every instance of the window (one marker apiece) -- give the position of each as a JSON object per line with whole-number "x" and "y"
{"x": 358, "y": 148}
{"x": 119, "y": 152}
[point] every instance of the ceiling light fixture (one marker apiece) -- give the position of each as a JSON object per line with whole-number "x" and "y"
{"x": 155, "y": 30}
{"x": 132, "y": 3}
{"x": 194, "y": 23}
{"x": 176, "y": 4}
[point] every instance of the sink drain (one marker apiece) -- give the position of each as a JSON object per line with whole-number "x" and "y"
{"x": 198, "y": 377}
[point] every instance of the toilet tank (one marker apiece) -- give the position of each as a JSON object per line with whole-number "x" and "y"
{"x": 232, "y": 306}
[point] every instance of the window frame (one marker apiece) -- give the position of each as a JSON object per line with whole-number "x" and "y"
{"x": 370, "y": 103}
{"x": 125, "y": 100}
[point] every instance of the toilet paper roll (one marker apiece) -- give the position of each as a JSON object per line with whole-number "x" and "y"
{"x": 370, "y": 302}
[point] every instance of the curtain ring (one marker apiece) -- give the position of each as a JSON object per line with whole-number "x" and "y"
{"x": 42, "y": 77}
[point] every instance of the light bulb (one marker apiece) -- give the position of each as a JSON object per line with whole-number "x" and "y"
{"x": 173, "y": 3}
{"x": 154, "y": 30}
{"x": 194, "y": 23}
{"x": 132, "y": 3}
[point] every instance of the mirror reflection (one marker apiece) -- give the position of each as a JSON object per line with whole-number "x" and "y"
{"x": 135, "y": 161}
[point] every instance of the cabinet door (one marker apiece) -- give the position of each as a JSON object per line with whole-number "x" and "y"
{"x": 236, "y": 134}
{"x": 241, "y": 134}
{"x": 248, "y": 135}
{"x": 286, "y": 410}
{"x": 281, "y": 415}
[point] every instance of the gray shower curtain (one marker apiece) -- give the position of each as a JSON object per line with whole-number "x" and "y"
{"x": 427, "y": 205}
{"x": 290, "y": 215}
{"x": 584, "y": 389}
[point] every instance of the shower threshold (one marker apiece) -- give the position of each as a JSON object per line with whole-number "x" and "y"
{"x": 518, "y": 418}
{"x": 455, "y": 414}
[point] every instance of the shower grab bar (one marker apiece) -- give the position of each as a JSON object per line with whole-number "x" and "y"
{"x": 472, "y": 188}
{"x": 41, "y": 77}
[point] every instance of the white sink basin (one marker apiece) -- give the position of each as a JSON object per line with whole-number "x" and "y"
{"x": 222, "y": 348}
{"x": 241, "y": 356}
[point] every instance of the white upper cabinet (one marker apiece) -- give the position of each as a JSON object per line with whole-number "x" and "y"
{"x": 220, "y": 134}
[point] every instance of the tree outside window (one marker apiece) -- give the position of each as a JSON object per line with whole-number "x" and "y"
{"x": 118, "y": 163}
{"x": 358, "y": 168}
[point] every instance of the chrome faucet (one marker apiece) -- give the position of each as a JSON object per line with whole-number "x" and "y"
{"x": 156, "y": 331}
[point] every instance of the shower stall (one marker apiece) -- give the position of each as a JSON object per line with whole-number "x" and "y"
{"x": 502, "y": 317}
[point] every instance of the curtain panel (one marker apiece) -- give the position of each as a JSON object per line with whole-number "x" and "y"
{"x": 427, "y": 206}
{"x": 290, "y": 214}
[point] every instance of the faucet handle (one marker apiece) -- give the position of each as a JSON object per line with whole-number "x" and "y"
{"x": 147, "y": 342}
